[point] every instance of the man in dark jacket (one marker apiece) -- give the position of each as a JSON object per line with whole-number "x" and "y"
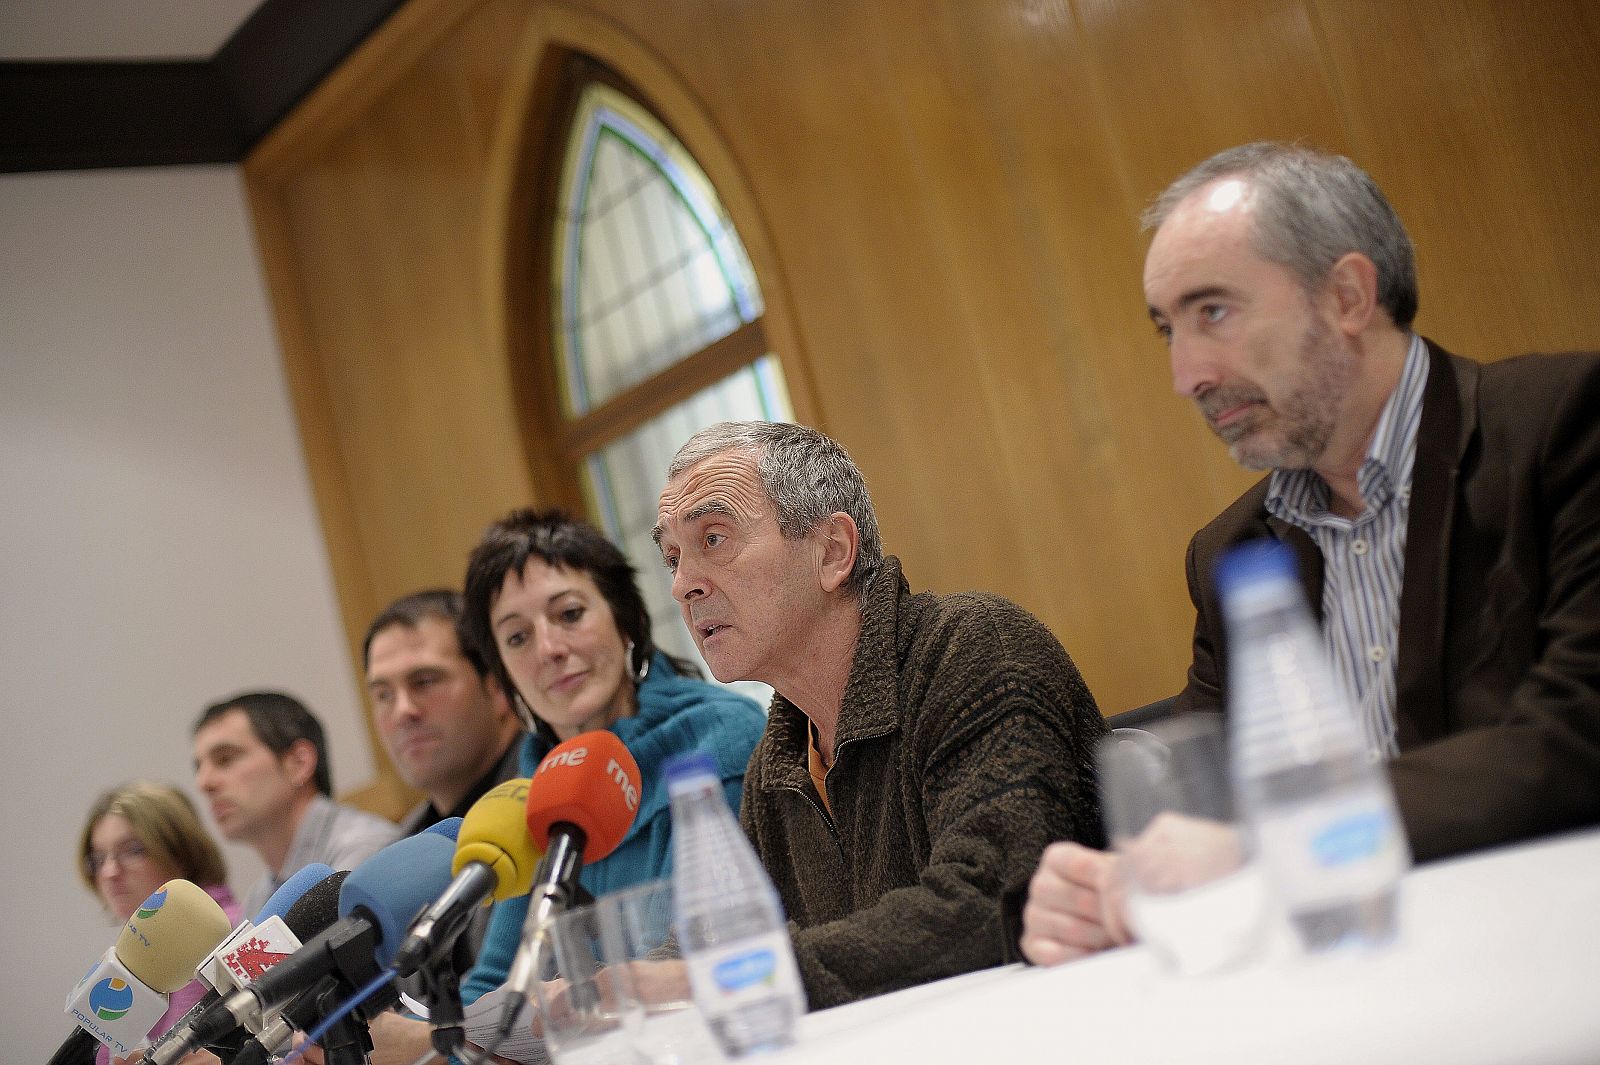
{"x": 451, "y": 734}
{"x": 1446, "y": 514}
{"x": 920, "y": 751}
{"x": 446, "y": 724}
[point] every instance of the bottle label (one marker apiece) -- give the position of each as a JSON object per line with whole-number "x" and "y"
{"x": 750, "y": 970}
{"x": 1341, "y": 848}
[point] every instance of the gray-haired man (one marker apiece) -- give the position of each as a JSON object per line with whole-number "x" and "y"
{"x": 1446, "y": 513}
{"x": 920, "y": 751}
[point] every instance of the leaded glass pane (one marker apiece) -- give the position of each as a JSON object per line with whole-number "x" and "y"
{"x": 648, "y": 268}
{"x": 624, "y": 481}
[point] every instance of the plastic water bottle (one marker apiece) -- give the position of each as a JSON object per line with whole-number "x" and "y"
{"x": 728, "y": 918}
{"x": 1318, "y": 800}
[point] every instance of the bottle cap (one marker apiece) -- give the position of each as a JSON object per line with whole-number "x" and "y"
{"x": 689, "y": 767}
{"x": 1253, "y": 564}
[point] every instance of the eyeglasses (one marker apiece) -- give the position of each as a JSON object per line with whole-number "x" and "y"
{"x": 125, "y": 853}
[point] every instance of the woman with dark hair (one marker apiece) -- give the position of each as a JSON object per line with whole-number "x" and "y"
{"x": 137, "y": 837}
{"x": 552, "y": 606}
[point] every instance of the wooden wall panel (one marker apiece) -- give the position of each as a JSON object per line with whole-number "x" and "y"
{"x": 941, "y": 200}
{"x": 1482, "y": 122}
{"x": 381, "y": 227}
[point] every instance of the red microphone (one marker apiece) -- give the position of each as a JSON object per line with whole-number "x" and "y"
{"x": 581, "y": 802}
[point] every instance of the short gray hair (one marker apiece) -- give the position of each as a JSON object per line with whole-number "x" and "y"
{"x": 807, "y": 476}
{"x": 1312, "y": 208}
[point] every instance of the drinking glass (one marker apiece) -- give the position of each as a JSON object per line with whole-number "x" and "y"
{"x": 1194, "y": 893}
{"x": 637, "y": 937}
{"x": 587, "y": 1009}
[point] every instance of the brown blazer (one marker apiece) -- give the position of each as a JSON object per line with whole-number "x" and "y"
{"x": 1498, "y": 670}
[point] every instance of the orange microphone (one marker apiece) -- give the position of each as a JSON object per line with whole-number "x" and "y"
{"x": 587, "y": 787}
{"x": 581, "y": 802}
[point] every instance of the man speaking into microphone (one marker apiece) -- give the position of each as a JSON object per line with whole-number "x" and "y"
{"x": 921, "y": 750}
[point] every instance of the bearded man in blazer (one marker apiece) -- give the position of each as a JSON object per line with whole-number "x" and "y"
{"x": 1446, "y": 514}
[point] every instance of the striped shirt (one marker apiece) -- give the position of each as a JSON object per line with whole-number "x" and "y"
{"x": 1364, "y": 558}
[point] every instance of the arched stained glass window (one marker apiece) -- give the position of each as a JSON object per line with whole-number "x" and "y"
{"x": 656, "y": 316}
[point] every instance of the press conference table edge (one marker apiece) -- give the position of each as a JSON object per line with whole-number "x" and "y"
{"x": 1498, "y": 962}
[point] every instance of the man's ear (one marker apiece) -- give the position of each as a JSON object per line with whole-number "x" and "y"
{"x": 838, "y": 538}
{"x": 1353, "y": 285}
{"x": 300, "y": 761}
{"x": 499, "y": 702}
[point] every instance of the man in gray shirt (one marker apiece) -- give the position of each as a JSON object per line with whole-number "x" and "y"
{"x": 262, "y": 763}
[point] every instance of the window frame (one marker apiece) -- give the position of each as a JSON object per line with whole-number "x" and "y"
{"x": 558, "y": 443}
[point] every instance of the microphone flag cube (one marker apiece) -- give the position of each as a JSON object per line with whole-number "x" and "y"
{"x": 211, "y": 971}
{"x": 114, "y": 1006}
{"x": 269, "y": 943}
{"x": 249, "y": 952}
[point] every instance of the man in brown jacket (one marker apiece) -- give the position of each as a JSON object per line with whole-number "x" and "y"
{"x": 920, "y": 751}
{"x": 1446, "y": 513}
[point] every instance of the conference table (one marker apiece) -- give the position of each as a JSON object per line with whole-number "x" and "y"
{"x": 1497, "y": 962}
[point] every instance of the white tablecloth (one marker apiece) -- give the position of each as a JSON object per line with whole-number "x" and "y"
{"x": 1498, "y": 963}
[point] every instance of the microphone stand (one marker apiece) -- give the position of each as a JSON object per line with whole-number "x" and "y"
{"x": 437, "y": 970}
{"x": 555, "y": 884}
{"x": 347, "y": 1042}
{"x": 442, "y": 987}
{"x": 555, "y": 890}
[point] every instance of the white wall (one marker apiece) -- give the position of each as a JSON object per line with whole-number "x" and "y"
{"x": 159, "y": 547}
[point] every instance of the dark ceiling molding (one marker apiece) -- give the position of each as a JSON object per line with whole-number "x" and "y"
{"x": 286, "y": 48}
{"x": 69, "y": 115}
{"x": 80, "y": 116}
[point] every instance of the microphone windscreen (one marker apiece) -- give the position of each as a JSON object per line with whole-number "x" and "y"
{"x": 291, "y": 890}
{"x": 590, "y": 781}
{"x": 316, "y": 910}
{"x": 170, "y": 934}
{"x": 495, "y": 832}
{"x": 393, "y": 886}
{"x": 449, "y": 828}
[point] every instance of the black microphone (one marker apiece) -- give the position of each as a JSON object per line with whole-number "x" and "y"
{"x": 77, "y": 1049}
{"x": 316, "y": 912}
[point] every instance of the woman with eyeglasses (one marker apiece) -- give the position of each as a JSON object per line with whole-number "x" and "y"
{"x": 138, "y": 836}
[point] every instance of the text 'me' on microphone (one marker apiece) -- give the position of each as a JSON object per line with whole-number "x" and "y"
{"x": 581, "y": 802}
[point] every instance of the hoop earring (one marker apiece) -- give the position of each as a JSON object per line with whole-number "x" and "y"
{"x": 640, "y": 671}
{"x": 525, "y": 715}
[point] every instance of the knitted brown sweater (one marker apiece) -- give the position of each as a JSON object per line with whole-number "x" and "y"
{"x": 965, "y": 745}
